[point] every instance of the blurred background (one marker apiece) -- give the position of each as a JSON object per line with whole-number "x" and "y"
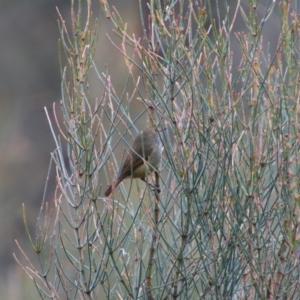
{"x": 29, "y": 81}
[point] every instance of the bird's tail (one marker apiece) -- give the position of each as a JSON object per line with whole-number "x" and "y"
{"x": 108, "y": 191}
{"x": 112, "y": 187}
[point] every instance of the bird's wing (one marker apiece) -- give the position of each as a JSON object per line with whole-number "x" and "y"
{"x": 132, "y": 156}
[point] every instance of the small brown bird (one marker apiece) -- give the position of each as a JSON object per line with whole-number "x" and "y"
{"x": 147, "y": 147}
